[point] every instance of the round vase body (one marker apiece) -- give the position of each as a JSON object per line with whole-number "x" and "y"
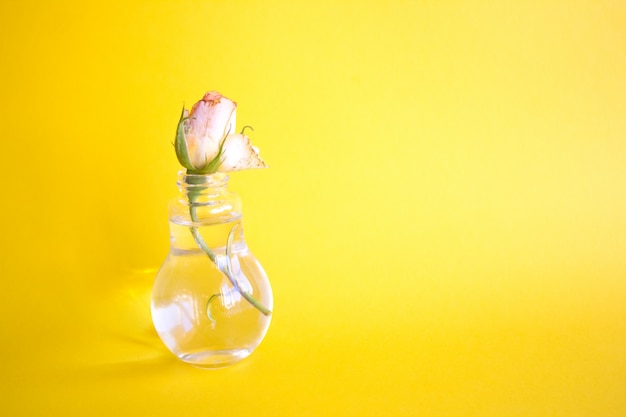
{"x": 210, "y": 309}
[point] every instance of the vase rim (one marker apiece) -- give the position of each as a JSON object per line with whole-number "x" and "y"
{"x": 202, "y": 180}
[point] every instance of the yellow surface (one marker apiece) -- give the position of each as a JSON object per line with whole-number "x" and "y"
{"x": 443, "y": 222}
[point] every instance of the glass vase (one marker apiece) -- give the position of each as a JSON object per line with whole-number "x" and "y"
{"x": 211, "y": 299}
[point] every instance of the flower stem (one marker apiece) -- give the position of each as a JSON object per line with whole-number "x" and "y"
{"x": 227, "y": 269}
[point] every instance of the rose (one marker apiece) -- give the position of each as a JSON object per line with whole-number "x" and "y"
{"x": 205, "y": 139}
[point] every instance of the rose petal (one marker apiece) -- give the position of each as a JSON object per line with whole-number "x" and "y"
{"x": 197, "y": 155}
{"x": 211, "y": 119}
{"x": 240, "y": 154}
{"x": 213, "y": 116}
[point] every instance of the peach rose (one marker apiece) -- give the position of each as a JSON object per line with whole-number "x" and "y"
{"x": 206, "y": 141}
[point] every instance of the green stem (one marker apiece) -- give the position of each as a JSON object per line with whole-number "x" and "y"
{"x": 208, "y": 306}
{"x": 228, "y": 269}
{"x": 229, "y": 274}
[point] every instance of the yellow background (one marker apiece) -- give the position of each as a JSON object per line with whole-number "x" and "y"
{"x": 443, "y": 222}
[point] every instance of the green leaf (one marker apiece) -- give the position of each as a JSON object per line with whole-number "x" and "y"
{"x": 180, "y": 143}
{"x": 243, "y": 131}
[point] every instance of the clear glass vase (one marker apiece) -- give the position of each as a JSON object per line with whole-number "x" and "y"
{"x": 211, "y": 300}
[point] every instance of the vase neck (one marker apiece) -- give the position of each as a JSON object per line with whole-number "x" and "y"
{"x": 199, "y": 188}
{"x": 204, "y": 199}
